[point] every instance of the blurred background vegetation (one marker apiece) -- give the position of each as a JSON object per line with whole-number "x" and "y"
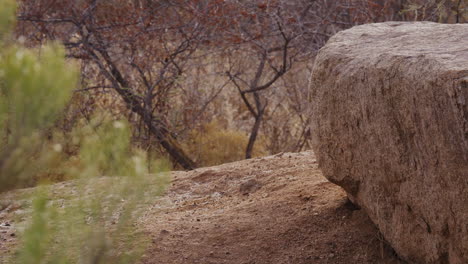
{"x": 200, "y": 82}
{"x": 196, "y": 78}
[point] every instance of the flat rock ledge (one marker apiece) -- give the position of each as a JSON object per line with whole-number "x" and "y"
{"x": 390, "y": 119}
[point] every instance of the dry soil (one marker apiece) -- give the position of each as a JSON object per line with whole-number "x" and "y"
{"x": 277, "y": 209}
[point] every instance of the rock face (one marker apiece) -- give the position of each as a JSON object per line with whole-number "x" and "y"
{"x": 390, "y": 118}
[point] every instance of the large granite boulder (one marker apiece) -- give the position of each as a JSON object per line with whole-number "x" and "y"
{"x": 390, "y": 118}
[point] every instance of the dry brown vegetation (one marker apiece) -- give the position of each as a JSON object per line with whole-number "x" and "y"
{"x": 175, "y": 67}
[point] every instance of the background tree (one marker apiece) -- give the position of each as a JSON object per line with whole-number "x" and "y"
{"x": 163, "y": 64}
{"x": 268, "y": 38}
{"x": 138, "y": 49}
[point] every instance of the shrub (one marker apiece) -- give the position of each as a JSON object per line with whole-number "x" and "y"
{"x": 90, "y": 220}
{"x": 33, "y": 92}
{"x": 214, "y": 145}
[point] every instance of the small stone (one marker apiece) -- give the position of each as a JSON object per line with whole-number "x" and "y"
{"x": 249, "y": 187}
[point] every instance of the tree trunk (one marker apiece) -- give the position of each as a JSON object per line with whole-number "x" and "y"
{"x": 253, "y": 135}
{"x": 169, "y": 144}
{"x": 163, "y": 136}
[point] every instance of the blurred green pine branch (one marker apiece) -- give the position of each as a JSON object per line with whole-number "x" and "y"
{"x": 94, "y": 224}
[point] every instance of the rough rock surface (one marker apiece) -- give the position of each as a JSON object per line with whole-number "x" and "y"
{"x": 390, "y": 116}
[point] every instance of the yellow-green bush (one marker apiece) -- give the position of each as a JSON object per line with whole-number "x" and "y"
{"x": 91, "y": 220}
{"x": 7, "y": 17}
{"x": 33, "y": 92}
{"x": 214, "y": 145}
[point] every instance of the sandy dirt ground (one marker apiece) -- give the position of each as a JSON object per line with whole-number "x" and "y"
{"x": 277, "y": 209}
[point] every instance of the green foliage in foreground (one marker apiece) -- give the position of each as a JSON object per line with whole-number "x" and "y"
{"x": 91, "y": 221}
{"x": 33, "y": 93}
{"x": 7, "y": 14}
